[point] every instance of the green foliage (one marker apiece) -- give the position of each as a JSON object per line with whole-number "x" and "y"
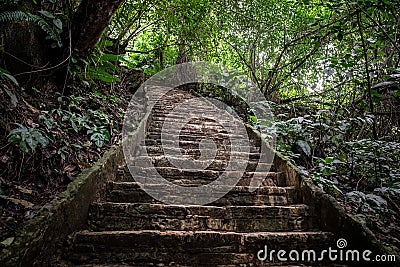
{"x": 370, "y": 206}
{"x": 5, "y": 75}
{"x": 49, "y": 23}
{"x": 99, "y": 135}
{"x": 324, "y": 176}
{"x": 76, "y": 120}
{"x": 100, "y": 66}
{"x": 14, "y": 15}
{"x": 332, "y": 67}
{"x": 28, "y": 138}
{"x": 375, "y": 161}
{"x": 9, "y": 3}
{"x": 335, "y": 63}
{"x": 93, "y": 123}
{"x": 329, "y": 145}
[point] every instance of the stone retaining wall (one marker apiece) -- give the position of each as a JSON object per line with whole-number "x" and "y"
{"x": 332, "y": 217}
{"x": 36, "y": 243}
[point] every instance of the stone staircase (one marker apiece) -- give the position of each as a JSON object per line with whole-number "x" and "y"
{"x": 130, "y": 227}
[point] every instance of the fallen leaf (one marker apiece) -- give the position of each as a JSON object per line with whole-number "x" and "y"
{"x": 69, "y": 168}
{"x": 88, "y": 144}
{"x": 34, "y": 110}
{"x": 23, "y": 190}
{"x": 8, "y": 241}
{"x": 22, "y": 202}
{"x": 84, "y": 164}
{"x": 29, "y": 122}
{"x": 4, "y": 159}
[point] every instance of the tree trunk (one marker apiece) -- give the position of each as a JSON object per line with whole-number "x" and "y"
{"x": 24, "y": 46}
{"x": 27, "y": 52}
{"x": 89, "y": 23}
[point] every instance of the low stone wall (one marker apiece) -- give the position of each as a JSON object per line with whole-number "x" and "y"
{"x": 37, "y": 242}
{"x": 333, "y": 218}
{"x": 330, "y": 215}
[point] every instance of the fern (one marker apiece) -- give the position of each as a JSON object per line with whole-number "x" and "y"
{"x": 51, "y": 32}
{"x": 14, "y": 15}
{"x": 20, "y": 15}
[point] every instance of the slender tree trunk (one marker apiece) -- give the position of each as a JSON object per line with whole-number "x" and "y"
{"x": 89, "y": 23}
{"x": 369, "y": 89}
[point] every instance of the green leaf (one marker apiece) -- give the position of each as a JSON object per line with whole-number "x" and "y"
{"x": 8, "y": 241}
{"x": 13, "y": 97}
{"x": 329, "y": 160}
{"x": 58, "y": 23}
{"x": 254, "y": 119}
{"x": 110, "y": 57}
{"x": 376, "y": 94}
{"x": 105, "y": 77}
{"x": 27, "y": 138}
{"x": 305, "y": 147}
{"x": 47, "y": 14}
{"x": 6, "y": 74}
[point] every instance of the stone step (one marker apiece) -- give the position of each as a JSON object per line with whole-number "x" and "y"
{"x": 158, "y": 150}
{"x": 132, "y": 228}
{"x": 192, "y": 129}
{"x": 197, "y": 248}
{"x": 174, "y": 172}
{"x": 167, "y": 103}
{"x": 110, "y": 216}
{"x": 196, "y": 176}
{"x": 147, "y": 264}
{"x": 132, "y": 192}
{"x": 163, "y": 161}
{"x": 213, "y": 125}
{"x": 193, "y": 142}
{"x": 189, "y": 135}
{"x": 190, "y": 179}
{"x": 167, "y": 111}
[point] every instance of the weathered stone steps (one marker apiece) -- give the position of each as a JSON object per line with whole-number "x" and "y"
{"x": 131, "y": 192}
{"x": 191, "y": 179}
{"x": 216, "y": 164}
{"x": 129, "y": 227}
{"x": 194, "y": 248}
{"x": 207, "y": 174}
{"x": 190, "y": 134}
{"x": 157, "y": 150}
{"x": 187, "y": 141}
{"x": 170, "y": 110}
{"x": 121, "y": 216}
{"x": 187, "y": 182}
{"x": 206, "y": 127}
